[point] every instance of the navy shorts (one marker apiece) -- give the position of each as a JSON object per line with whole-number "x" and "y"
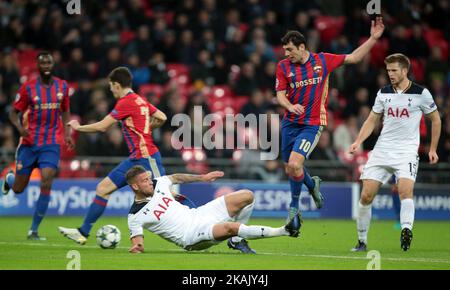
{"x": 152, "y": 163}
{"x": 299, "y": 138}
{"x": 29, "y": 157}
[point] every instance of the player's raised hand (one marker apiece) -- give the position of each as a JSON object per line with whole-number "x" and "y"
{"x": 353, "y": 148}
{"x": 297, "y": 109}
{"x": 74, "y": 124}
{"x": 211, "y": 176}
{"x": 434, "y": 158}
{"x": 377, "y": 27}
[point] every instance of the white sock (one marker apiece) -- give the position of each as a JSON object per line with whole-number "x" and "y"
{"x": 363, "y": 221}
{"x": 260, "y": 232}
{"x": 407, "y": 213}
{"x": 243, "y": 217}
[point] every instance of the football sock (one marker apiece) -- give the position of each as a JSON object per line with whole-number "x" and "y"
{"x": 41, "y": 209}
{"x": 10, "y": 179}
{"x": 407, "y": 213}
{"x": 296, "y": 188}
{"x": 260, "y": 232}
{"x": 242, "y": 217}
{"x": 308, "y": 180}
{"x": 95, "y": 211}
{"x": 363, "y": 221}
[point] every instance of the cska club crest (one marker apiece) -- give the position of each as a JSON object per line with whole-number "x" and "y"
{"x": 19, "y": 165}
{"x": 36, "y": 99}
{"x": 318, "y": 69}
{"x": 59, "y": 95}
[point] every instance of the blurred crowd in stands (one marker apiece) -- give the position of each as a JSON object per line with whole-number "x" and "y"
{"x": 220, "y": 55}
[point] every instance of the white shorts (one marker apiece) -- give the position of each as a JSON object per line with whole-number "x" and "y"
{"x": 199, "y": 236}
{"x": 381, "y": 166}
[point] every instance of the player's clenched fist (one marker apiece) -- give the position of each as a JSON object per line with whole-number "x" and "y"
{"x": 74, "y": 124}
{"x": 354, "y": 147}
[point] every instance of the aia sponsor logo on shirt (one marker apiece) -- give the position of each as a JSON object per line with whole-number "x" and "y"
{"x": 398, "y": 113}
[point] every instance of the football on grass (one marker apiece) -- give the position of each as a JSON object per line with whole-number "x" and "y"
{"x": 108, "y": 237}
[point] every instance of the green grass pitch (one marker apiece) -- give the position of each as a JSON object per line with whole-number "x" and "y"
{"x": 323, "y": 244}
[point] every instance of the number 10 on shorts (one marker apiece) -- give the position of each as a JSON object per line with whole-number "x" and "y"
{"x": 305, "y": 145}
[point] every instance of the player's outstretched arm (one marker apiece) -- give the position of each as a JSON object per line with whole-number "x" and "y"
{"x": 100, "y": 126}
{"x": 366, "y": 130}
{"x": 179, "y": 178}
{"x": 435, "y": 134}
{"x": 137, "y": 245}
{"x": 375, "y": 33}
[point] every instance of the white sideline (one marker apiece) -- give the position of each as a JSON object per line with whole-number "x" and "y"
{"x": 259, "y": 253}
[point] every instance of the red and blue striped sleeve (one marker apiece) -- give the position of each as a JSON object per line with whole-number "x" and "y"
{"x": 22, "y": 98}
{"x": 333, "y": 61}
{"x": 281, "y": 83}
{"x": 65, "y": 102}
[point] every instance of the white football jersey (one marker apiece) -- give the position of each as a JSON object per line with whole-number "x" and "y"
{"x": 402, "y": 113}
{"x": 162, "y": 214}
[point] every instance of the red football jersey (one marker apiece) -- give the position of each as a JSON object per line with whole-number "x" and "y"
{"x": 134, "y": 113}
{"x": 42, "y": 106}
{"x": 307, "y": 84}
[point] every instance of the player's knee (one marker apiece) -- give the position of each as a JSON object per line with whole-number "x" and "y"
{"x": 18, "y": 189}
{"x": 366, "y": 198}
{"x": 102, "y": 190}
{"x": 231, "y": 229}
{"x": 294, "y": 169}
{"x": 247, "y": 196}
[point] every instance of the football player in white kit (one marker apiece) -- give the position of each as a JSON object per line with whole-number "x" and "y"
{"x": 156, "y": 209}
{"x": 402, "y": 105}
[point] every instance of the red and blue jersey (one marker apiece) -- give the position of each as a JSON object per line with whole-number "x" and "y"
{"x": 307, "y": 84}
{"x": 134, "y": 113}
{"x": 41, "y": 106}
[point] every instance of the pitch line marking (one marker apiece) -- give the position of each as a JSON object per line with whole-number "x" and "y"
{"x": 39, "y": 244}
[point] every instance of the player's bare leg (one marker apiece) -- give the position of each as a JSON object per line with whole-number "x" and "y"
{"x": 405, "y": 190}
{"x": 20, "y": 182}
{"x": 240, "y": 207}
{"x": 297, "y": 177}
{"x": 47, "y": 176}
{"x": 364, "y": 215}
{"x": 104, "y": 189}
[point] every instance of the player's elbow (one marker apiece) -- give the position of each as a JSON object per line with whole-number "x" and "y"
{"x": 102, "y": 129}
{"x": 352, "y": 59}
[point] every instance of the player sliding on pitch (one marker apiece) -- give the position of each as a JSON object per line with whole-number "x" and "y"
{"x": 401, "y": 104}
{"x": 193, "y": 228}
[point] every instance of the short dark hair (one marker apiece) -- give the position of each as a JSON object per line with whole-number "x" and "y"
{"x": 133, "y": 172}
{"x": 402, "y": 59}
{"x": 121, "y": 75}
{"x": 295, "y": 37}
{"x": 43, "y": 53}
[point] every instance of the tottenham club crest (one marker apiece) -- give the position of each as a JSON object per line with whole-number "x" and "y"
{"x": 19, "y": 165}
